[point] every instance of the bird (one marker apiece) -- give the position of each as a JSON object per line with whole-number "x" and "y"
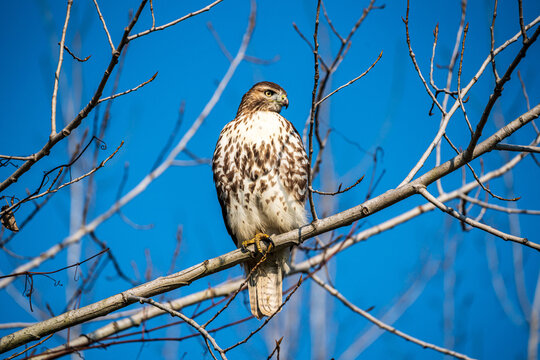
{"x": 260, "y": 170}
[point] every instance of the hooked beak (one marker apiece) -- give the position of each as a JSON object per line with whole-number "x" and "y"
{"x": 284, "y": 101}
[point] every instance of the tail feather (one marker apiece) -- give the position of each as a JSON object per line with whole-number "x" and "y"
{"x": 266, "y": 284}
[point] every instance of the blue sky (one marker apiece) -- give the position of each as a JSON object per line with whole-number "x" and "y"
{"x": 388, "y": 108}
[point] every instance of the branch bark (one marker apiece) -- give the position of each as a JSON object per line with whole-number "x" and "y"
{"x": 294, "y": 237}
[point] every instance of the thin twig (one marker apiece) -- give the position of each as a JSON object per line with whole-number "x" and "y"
{"x": 73, "y": 124}
{"x": 499, "y": 208}
{"x": 104, "y": 26}
{"x": 350, "y": 82}
{"x": 472, "y": 82}
{"x": 58, "y": 69}
{"x": 158, "y": 28}
{"x": 492, "y": 35}
{"x": 460, "y": 98}
{"x": 331, "y": 25}
{"x": 9, "y": 157}
{"x": 497, "y": 91}
{"x": 485, "y": 188}
{"x": 313, "y": 109}
{"x": 220, "y": 43}
{"x": 432, "y": 199}
{"x": 30, "y": 347}
{"x": 521, "y": 24}
{"x": 326, "y": 68}
{"x": 268, "y": 318}
{"x": 50, "y": 190}
{"x": 31, "y": 273}
{"x": 75, "y": 56}
{"x": 417, "y": 68}
{"x": 332, "y": 291}
{"x": 145, "y": 182}
{"x": 128, "y": 91}
{"x": 276, "y": 348}
{"x": 188, "y": 320}
{"x": 152, "y": 13}
{"x": 339, "y": 191}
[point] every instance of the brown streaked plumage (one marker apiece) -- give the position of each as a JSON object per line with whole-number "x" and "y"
{"x": 260, "y": 171}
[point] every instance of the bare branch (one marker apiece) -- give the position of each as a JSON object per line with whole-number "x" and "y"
{"x": 326, "y": 68}
{"x": 423, "y": 191}
{"x": 267, "y": 320}
{"x": 486, "y": 189}
{"x": 45, "y": 150}
{"x": 499, "y": 208}
{"x": 58, "y": 69}
{"x": 188, "y": 320}
{"x": 128, "y": 91}
{"x": 497, "y": 91}
{"x": 313, "y": 109}
{"x": 158, "y": 171}
{"x": 30, "y": 347}
{"x": 23, "y": 158}
{"x": 158, "y": 28}
{"x": 350, "y": 82}
{"x": 413, "y": 58}
{"x": 75, "y": 56}
{"x": 50, "y": 190}
{"x": 332, "y": 291}
{"x": 492, "y": 34}
{"x": 339, "y": 191}
{"x": 220, "y": 43}
{"x": 331, "y": 25}
{"x": 446, "y": 118}
{"x": 521, "y": 25}
{"x": 520, "y": 148}
{"x": 104, "y": 26}
{"x": 152, "y": 13}
{"x": 524, "y": 90}
{"x": 230, "y": 259}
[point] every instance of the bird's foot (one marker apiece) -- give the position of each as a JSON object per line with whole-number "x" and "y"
{"x": 257, "y": 241}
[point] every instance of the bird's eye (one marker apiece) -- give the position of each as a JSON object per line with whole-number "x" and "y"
{"x": 268, "y": 93}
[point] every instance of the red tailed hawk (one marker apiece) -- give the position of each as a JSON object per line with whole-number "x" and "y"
{"x": 261, "y": 172}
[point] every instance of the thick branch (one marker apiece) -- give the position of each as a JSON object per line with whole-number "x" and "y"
{"x": 294, "y": 237}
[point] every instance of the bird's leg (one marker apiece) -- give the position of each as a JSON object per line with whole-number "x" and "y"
{"x": 257, "y": 241}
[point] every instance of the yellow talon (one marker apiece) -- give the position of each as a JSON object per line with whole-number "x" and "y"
{"x": 257, "y": 241}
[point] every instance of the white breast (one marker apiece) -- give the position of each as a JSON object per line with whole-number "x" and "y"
{"x": 259, "y": 202}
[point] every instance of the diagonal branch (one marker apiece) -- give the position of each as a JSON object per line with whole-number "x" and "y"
{"x": 146, "y": 181}
{"x": 350, "y": 82}
{"x": 162, "y": 27}
{"x": 128, "y": 91}
{"x": 421, "y": 189}
{"x": 450, "y": 113}
{"x": 188, "y": 320}
{"x": 53, "y": 140}
{"x": 136, "y": 317}
{"x": 332, "y": 291}
{"x": 294, "y": 237}
{"x": 104, "y": 26}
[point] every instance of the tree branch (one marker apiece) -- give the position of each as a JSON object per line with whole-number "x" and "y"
{"x": 294, "y": 237}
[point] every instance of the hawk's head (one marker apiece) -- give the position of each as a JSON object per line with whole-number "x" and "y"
{"x": 263, "y": 96}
